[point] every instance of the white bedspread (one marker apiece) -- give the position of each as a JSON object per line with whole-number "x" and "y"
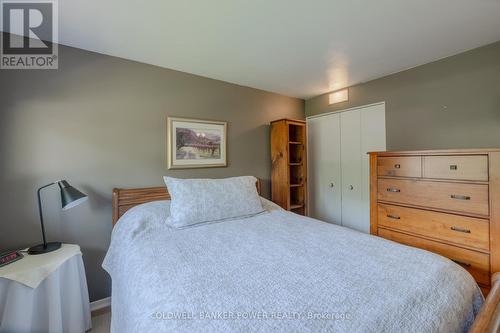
{"x": 278, "y": 272}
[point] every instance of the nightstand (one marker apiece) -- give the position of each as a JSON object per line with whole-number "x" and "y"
{"x": 45, "y": 293}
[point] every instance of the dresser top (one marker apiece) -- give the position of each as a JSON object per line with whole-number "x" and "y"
{"x": 480, "y": 151}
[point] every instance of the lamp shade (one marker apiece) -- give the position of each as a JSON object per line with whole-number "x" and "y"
{"x": 70, "y": 196}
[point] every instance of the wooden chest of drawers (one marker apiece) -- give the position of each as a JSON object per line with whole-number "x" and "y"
{"x": 444, "y": 201}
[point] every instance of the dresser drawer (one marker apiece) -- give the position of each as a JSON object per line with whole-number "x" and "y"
{"x": 460, "y": 230}
{"x": 408, "y": 166}
{"x": 456, "y": 167}
{"x": 478, "y": 264}
{"x": 457, "y": 197}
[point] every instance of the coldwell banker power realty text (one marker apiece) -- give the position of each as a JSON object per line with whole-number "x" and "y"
{"x": 30, "y": 28}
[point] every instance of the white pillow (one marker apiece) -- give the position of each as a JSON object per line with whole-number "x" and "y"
{"x": 207, "y": 200}
{"x": 268, "y": 205}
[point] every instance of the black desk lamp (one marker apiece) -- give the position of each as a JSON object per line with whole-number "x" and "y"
{"x": 70, "y": 197}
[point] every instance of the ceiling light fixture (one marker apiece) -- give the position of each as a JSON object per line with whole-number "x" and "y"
{"x": 338, "y": 96}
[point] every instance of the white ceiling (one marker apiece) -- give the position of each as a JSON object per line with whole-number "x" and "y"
{"x": 298, "y": 48}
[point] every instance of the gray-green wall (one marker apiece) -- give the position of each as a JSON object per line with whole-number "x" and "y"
{"x": 100, "y": 122}
{"x": 450, "y": 103}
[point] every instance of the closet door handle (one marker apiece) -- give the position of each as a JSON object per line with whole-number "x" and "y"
{"x": 461, "y": 263}
{"x": 467, "y": 231}
{"x": 392, "y": 189}
{"x": 394, "y": 217}
{"x": 460, "y": 197}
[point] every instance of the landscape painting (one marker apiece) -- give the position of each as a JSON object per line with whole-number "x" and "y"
{"x": 196, "y": 143}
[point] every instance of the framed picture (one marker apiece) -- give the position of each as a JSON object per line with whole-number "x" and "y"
{"x": 194, "y": 143}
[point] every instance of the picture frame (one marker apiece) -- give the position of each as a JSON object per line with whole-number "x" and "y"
{"x": 196, "y": 143}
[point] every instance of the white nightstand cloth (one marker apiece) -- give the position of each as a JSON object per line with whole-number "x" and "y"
{"x": 33, "y": 269}
{"x": 60, "y": 304}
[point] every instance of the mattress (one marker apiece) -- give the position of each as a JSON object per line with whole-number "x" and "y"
{"x": 278, "y": 272}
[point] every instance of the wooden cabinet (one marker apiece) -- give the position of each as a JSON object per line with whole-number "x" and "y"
{"x": 289, "y": 165}
{"x": 443, "y": 201}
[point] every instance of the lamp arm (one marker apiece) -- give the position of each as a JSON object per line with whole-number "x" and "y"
{"x": 40, "y": 211}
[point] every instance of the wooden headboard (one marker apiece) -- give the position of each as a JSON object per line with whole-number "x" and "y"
{"x": 124, "y": 199}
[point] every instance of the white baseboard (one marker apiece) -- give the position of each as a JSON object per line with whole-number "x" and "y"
{"x": 100, "y": 304}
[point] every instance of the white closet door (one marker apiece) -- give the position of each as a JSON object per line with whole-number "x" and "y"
{"x": 372, "y": 139}
{"x": 324, "y": 174}
{"x": 362, "y": 130}
{"x": 352, "y": 198}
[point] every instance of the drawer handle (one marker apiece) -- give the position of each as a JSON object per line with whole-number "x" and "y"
{"x": 395, "y": 217}
{"x": 392, "y": 189}
{"x": 460, "y": 197}
{"x": 453, "y": 167}
{"x": 397, "y": 166}
{"x": 461, "y": 263}
{"x": 467, "y": 231}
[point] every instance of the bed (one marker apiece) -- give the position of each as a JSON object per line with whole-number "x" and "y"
{"x": 278, "y": 272}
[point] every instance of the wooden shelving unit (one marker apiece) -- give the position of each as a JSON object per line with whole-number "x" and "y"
{"x": 289, "y": 164}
